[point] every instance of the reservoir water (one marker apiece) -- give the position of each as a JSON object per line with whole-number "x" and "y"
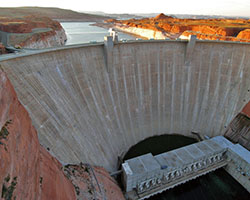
{"x": 83, "y": 32}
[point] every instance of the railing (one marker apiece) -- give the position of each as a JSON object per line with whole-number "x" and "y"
{"x": 187, "y": 172}
{"x": 147, "y": 175}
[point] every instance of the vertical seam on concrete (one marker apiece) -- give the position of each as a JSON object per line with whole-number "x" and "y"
{"x": 195, "y": 112}
{"x": 127, "y": 102}
{"x": 158, "y": 92}
{"x": 172, "y": 94}
{"x": 121, "y": 130}
{"x": 204, "y": 104}
{"x": 227, "y": 89}
{"x": 118, "y": 98}
{"x": 215, "y": 97}
{"x": 164, "y": 94}
{"x": 150, "y": 95}
{"x": 237, "y": 97}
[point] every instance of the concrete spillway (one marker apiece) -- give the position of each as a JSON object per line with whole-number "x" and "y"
{"x": 86, "y": 113}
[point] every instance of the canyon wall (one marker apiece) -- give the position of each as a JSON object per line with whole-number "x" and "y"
{"x": 246, "y": 109}
{"x": 141, "y": 32}
{"x": 45, "y": 40}
{"x": 28, "y": 171}
{"x": 86, "y": 111}
{"x": 32, "y": 32}
{"x": 238, "y": 130}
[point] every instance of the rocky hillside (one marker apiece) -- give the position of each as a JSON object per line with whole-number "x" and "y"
{"x": 32, "y": 31}
{"x": 37, "y": 27}
{"x": 28, "y": 171}
{"x": 169, "y": 27}
{"x": 238, "y": 130}
{"x": 53, "y": 13}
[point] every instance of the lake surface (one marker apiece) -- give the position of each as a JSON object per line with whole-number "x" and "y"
{"x": 83, "y": 32}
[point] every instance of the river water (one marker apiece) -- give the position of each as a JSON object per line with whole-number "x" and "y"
{"x": 83, "y": 32}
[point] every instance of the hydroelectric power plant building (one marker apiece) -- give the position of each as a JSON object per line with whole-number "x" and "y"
{"x": 90, "y": 103}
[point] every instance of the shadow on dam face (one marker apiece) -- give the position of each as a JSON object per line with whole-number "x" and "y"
{"x": 86, "y": 113}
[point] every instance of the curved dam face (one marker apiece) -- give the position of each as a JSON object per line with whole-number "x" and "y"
{"x": 86, "y": 111}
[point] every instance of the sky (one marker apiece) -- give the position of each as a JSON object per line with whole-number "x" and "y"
{"x": 208, "y": 7}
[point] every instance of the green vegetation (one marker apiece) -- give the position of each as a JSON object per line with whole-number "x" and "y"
{"x": 77, "y": 189}
{"x": 86, "y": 169}
{"x": 41, "y": 180}
{"x": 7, "y": 178}
{"x": 7, "y": 192}
{"x": 4, "y": 133}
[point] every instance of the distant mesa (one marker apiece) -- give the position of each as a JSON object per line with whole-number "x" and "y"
{"x": 162, "y": 16}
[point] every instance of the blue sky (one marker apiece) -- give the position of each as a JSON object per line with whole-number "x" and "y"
{"x": 208, "y": 7}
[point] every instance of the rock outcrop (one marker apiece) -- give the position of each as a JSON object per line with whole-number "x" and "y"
{"x": 144, "y": 33}
{"x": 162, "y": 16}
{"x": 245, "y": 34}
{"x": 2, "y": 49}
{"x": 33, "y": 31}
{"x": 45, "y": 40}
{"x": 204, "y": 29}
{"x": 246, "y": 109}
{"x": 238, "y": 130}
{"x": 93, "y": 183}
{"x": 28, "y": 171}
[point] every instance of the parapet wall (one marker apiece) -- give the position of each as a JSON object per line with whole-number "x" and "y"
{"x": 86, "y": 113}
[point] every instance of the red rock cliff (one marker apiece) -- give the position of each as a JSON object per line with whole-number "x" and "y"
{"x": 2, "y": 49}
{"x": 93, "y": 183}
{"x": 246, "y": 109}
{"x": 28, "y": 171}
{"x": 204, "y": 29}
{"x": 33, "y": 31}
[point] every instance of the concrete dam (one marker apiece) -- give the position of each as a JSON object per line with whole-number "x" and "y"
{"x": 89, "y": 107}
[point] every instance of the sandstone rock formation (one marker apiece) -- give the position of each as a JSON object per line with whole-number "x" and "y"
{"x": 205, "y": 29}
{"x": 238, "y": 130}
{"x": 33, "y": 31}
{"x": 245, "y": 34}
{"x": 246, "y": 109}
{"x": 45, "y": 40}
{"x": 93, "y": 183}
{"x": 162, "y": 16}
{"x": 27, "y": 170}
{"x": 2, "y": 49}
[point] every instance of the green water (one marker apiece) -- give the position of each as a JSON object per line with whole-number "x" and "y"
{"x": 218, "y": 185}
